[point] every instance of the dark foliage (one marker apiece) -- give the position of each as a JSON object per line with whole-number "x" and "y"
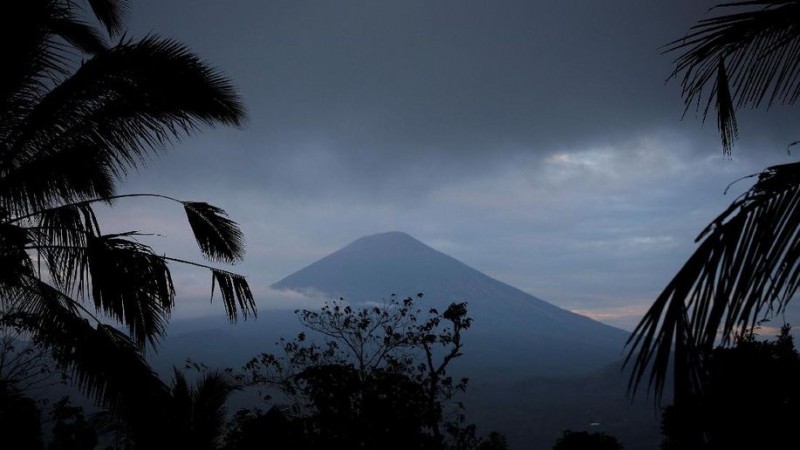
{"x": 376, "y": 379}
{"x": 382, "y": 411}
{"x": 20, "y": 419}
{"x": 751, "y": 399}
{"x": 256, "y": 430}
{"x": 189, "y": 415}
{"x": 71, "y": 430}
{"x": 584, "y": 440}
{"x": 76, "y": 115}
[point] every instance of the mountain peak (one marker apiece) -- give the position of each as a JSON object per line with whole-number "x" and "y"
{"x": 374, "y": 267}
{"x": 394, "y": 239}
{"x": 388, "y": 236}
{"x": 389, "y": 244}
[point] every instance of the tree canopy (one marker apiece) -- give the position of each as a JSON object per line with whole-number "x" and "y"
{"x": 364, "y": 377}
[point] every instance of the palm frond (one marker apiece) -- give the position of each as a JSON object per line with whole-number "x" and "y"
{"x": 235, "y": 292}
{"x": 105, "y": 364}
{"x": 118, "y": 108}
{"x": 219, "y": 238}
{"x": 203, "y": 408}
{"x": 30, "y": 59}
{"x": 747, "y": 57}
{"x": 32, "y": 35}
{"x": 69, "y": 176}
{"x": 111, "y": 13}
{"x": 131, "y": 284}
{"x": 78, "y": 34}
{"x": 726, "y": 111}
{"x": 746, "y": 267}
{"x": 61, "y": 237}
{"x": 211, "y": 394}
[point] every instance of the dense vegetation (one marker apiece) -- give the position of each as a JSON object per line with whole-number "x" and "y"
{"x": 364, "y": 377}
{"x": 750, "y": 399}
{"x": 369, "y": 377}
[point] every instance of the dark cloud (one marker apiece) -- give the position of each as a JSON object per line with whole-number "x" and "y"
{"x": 384, "y": 88}
{"x": 393, "y": 80}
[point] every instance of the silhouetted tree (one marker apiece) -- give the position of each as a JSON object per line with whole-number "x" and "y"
{"x": 584, "y": 440}
{"x": 193, "y": 416}
{"x": 495, "y": 441}
{"x": 24, "y": 366}
{"x": 747, "y": 263}
{"x": 377, "y": 379}
{"x": 256, "y": 430}
{"x": 20, "y": 419}
{"x": 71, "y": 430}
{"x": 76, "y": 115}
{"x": 751, "y": 399}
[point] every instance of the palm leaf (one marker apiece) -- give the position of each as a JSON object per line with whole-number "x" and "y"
{"x": 130, "y": 284}
{"x": 77, "y": 33}
{"x": 104, "y": 363}
{"x": 122, "y": 105}
{"x": 61, "y": 237}
{"x": 198, "y": 412}
{"x": 746, "y": 267}
{"x": 235, "y": 292}
{"x": 210, "y": 396}
{"x": 219, "y": 238}
{"x": 30, "y": 59}
{"x": 66, "y": 177}
{"x": 32, "y": 37}
{"x": 111, "y": 13}
{"x": 741, "y": 59}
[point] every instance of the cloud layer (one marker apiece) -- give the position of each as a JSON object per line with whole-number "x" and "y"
{"x": 534, "y": 140}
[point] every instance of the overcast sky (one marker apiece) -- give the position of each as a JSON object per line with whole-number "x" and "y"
{"x": 534, "y": 140}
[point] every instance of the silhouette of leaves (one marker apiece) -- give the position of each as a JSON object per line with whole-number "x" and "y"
{"x": 110, "y": 13}
{"x": 219, "y": 238}
{"x": 79, "y": 34}
{"x": 76, "y": 115}
{"x": 747, "y": 266}
{"x": 235, "y": 292}
{"x": 131, "y": 284}
{"x": 120, "y": 106}
{"x": 103, "y": 362}
{"x": 741, "y": 59}
{"x": 61, "y": 238}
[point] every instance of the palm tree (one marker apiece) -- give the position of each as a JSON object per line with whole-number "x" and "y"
{"x": 191, "y": 415}
{"x": 76, "y": 115}
{"x": 747, "y": 264}
{"x": 198, "y": 411}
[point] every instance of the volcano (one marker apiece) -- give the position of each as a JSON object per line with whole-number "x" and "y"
{"x": 512, "y": 329}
